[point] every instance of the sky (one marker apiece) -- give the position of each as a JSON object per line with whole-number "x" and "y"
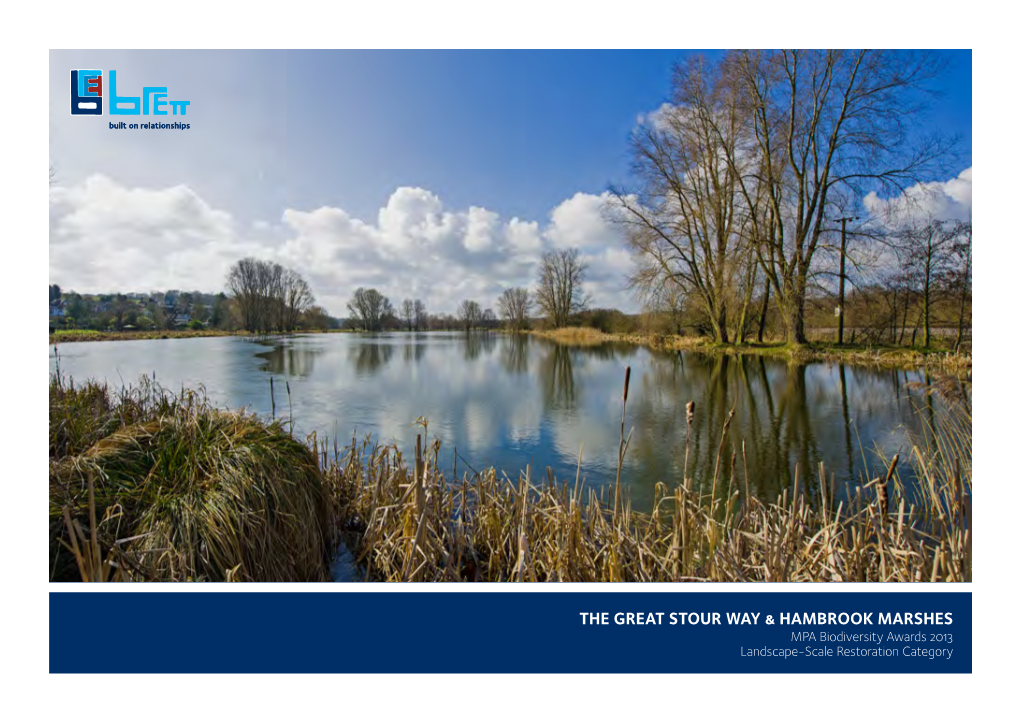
{"x": 440, "y": 175}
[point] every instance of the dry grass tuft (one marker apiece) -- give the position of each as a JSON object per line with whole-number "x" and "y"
{"x": 165, "y": 488}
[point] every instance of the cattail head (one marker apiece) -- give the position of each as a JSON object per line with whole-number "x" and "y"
{"x": 690, "y": 412}
{"x": 626, "y": 384}
{"x": 883, "y": 496}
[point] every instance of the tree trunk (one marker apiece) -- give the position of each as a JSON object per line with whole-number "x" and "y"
{"x": 764, "y": 311}
{"x": 959, "y": 323}
{"x": 926, "y": 315}
{"x": 722, "y": 332}
{"x": 793, "y": 313}
{"x": 906, "y": 311}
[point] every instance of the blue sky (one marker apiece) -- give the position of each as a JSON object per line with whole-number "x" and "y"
{"x": 346, "y": 163}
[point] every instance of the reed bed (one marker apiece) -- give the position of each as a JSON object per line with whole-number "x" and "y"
{"x": 577, "y": 335}
{"x": 406, "y": 522}
{"x": 956, "y": 362}
{"x": 146, "y": 484}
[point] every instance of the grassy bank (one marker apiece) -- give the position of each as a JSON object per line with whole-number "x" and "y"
{"x": 147, "y": 485}
{"x": 883, "y": 356}
{"x": 80, "y": 336}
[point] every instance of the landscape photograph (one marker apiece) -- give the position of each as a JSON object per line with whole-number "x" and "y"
{"x": 486, "y": 316}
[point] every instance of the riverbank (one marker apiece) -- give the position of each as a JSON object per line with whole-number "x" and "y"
{"x": 880, "y": 356}
{"x": 88, "y": 336}
{"x": 83, "y": 336}
{"x": 149, "y": 485}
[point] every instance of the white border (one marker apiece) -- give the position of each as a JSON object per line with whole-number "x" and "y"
{"x": 529, "y": 23}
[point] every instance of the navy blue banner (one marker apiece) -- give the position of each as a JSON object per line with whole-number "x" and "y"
{"x": 492, "y": 632}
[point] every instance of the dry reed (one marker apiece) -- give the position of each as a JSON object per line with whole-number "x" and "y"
{"x": 156, "y": 485}
{"x": 406, "y": 524}
{"x": 150, "y": 485}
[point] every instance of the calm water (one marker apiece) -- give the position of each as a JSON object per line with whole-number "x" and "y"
{"x": 510, "y": 401}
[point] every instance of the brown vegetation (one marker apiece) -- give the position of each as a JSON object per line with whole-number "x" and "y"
{"x": 406, "y": 522}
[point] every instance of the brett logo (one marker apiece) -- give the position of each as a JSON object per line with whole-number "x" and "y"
{"x": 86, "y": 92}
{"x": 87, "y": 97}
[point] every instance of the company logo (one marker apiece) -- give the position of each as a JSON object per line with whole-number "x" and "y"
{"x": 86, "y": 92}
{"x": 87, "y": 97}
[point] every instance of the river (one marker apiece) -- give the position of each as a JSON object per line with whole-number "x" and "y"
{"x": 514, "y": 401}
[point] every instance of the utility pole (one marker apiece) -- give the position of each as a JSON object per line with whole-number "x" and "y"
{"x": 842, "y": 275}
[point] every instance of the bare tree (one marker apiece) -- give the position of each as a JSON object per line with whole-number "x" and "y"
{"x": 664, "y": 303}
{"x": 515, "y": 305}
{"x": 369, "y": 308}
{"x": 929, "y": 254}
{"x": 407, "y": 313}
{"x": 470, "y": 314}
{"x": 687, "y": 224}
{"x": 268, "y": 296}
{"x": 960, "y": 278}
{"x": 316, "y": 318}
{"x": 297, "y": 298}
{"x": 421, "y": 318}
{"x": 256, "y": 287}
{"x": 560, "y": 293}
{"x": 824, "y": 121}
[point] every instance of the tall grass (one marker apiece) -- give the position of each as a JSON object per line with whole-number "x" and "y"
{"x": 146, "y": 484}
{"x": 150, "y": 485}
{"x": 405, "y": 521}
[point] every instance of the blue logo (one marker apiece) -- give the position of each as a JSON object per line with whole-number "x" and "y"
{"x": 87, "y": 97}
{"x": 86, "y": 92}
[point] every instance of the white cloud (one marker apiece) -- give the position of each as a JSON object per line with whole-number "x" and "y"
{"x": 658, "y": 118}
{"x": 949, "y": 200}
{"x": 107, "y": 237}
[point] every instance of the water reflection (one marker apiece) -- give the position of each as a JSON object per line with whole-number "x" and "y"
{"x": 478, "y": 343}
{"x": 512, "y": 401}
{"x": 557, "y": 374}
{"x": 289, "y": 360}
{"x": 414, "y": 351}
{"x": 369, "y": 357}
{"x": 514, "y": 354}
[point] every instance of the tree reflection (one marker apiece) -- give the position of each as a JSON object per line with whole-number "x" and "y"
{"x": 414, "y": 352}
{"x": 475, "y": 344}
{"x": 291, "y": 360}
{"x": 557, "y": 374}
{"x": 771, "y": 435}
{"x": 368, "y": 358}
{"x": 514, "y": 353}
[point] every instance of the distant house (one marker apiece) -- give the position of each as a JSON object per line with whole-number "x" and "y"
{"x": 182, "y": 319}
{"x": 170, "y": 299}
{"x": 57, "y": 309}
